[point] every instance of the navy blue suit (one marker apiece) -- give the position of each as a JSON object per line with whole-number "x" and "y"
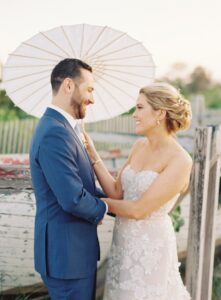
{"x": 67, "y": 205}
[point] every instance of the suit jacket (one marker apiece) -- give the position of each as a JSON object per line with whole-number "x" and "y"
{"x": 67, "y": 205}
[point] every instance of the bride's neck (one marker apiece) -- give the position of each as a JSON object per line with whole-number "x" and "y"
{"x": 156, "y": 141}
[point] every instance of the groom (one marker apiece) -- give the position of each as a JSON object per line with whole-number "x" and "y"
{"x": 68, "y": 208}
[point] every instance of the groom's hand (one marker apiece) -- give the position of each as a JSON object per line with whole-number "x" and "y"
{"x": 101, "y": 222}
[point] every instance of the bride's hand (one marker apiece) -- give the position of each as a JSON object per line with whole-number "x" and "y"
{"x": 89, "y": 145}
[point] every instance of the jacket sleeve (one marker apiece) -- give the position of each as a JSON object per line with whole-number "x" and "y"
{"x": 100, "y": 193}
{"x": 60, "y": 169}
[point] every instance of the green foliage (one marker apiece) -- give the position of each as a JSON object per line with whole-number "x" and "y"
{"x": 198, "y": 82}
{"x": 8, "y": 111}
{"x": 177, "y": 220}
{"x": 213, "y": 96}
{"x": 217, "y": 279}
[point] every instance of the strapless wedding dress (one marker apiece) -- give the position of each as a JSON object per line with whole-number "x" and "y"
{"x": 143, "y": 262}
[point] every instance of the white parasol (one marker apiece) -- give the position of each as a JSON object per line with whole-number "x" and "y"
{"x": 121, "y": 66}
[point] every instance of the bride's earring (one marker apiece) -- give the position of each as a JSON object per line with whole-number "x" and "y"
{"x": 158, "y": 122}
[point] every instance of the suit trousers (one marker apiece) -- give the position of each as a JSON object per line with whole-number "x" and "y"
{"x": 71, "y": 289}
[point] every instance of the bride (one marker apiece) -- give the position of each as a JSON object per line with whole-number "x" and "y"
{"x": 143, "y": 263}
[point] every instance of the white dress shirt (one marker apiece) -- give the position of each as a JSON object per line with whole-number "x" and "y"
{"x": 73, "y": 122}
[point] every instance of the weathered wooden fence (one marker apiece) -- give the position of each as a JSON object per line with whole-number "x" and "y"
{"x": 15, "y": 135}
{"x": 203, "y": 210}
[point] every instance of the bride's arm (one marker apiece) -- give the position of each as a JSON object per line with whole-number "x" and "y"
{"x": 169, "y": 183}
{"x": 111, "y": 186}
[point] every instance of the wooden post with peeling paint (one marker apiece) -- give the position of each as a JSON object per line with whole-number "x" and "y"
{"x": 203, "y": 208}
{"x": 211, "y": 213}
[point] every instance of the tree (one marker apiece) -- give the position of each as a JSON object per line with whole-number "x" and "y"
{"x": 200, "y": 80}
{"x": 8, "y": 110}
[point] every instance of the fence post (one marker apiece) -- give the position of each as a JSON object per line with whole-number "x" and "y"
{"x": 198, "y": 109}
{"x": 211, "y": 212}
{"x": 198, "y": 205}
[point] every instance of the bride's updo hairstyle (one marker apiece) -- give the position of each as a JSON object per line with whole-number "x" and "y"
{"x": 163, "y": 96}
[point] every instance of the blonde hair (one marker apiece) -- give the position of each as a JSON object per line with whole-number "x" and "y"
{"x": 163, "y": 96}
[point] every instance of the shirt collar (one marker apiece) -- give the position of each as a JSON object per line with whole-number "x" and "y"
{"x": 68, "y": 117}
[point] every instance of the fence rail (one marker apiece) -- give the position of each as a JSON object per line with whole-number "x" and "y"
{"x": 15, "y": 136}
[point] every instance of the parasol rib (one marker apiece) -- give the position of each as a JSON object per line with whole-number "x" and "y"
{"x": 95, "y": 40}
{"x": 30, "y": 83}
{"x": 117, "y": 87}
{"x": 43, "y": 98}
{"x": 118, "y": 50}
{"x": 112, "y": 96}
{"x": 28, "y": 66}
{"x": 82, "y": 41}
{"x": 19, "y": 102}
{"x": 108, "y": 44}
{"x": 24, "y": 76}
{"x": 43, "y": 50}
{"x": 104, "y": 105}
{"x": 33, "y": 57}
{"x": 127, "y": 66}
{"x": 55, "y": 44}
{"x": 120, "y": 79}
{"x": 68, "y": 40}
{"x": 128, "y": 73}
{"x": 125, "y": 57}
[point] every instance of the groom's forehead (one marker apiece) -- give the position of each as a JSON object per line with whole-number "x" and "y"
{"x": 87, "y": 77}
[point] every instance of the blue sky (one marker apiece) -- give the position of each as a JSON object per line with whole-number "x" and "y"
{"x": 172, "y": 30}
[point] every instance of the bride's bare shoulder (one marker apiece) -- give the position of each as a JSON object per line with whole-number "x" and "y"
{"x": 141, "y": 142}
{"x": 181, "y": 156}
{"x": 137, "y": 145}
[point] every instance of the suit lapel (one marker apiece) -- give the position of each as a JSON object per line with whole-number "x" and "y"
{"x": 55, "y": 114}
{"x": 83, "y": 150}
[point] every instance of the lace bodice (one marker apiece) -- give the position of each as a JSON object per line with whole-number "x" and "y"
{"x": 135, "y": 183}
{"x": 143, "y": 263}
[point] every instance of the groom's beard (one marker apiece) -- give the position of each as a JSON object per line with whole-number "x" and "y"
{"x": 79, "y": 108}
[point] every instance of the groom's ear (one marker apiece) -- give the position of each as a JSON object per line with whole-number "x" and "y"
{"x": 68, "y": 86}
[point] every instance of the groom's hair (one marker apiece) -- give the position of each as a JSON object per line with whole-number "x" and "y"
{"x": 69, "y": 67}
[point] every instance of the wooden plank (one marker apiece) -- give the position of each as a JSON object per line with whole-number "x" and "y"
{"x": 4, "y": 137}
{"x": 27, "y": 134}
{"x": 22, "y": 279}
{"x": 20, "y": 136}
{"x": 16, "y": 232}
{"x": 15, "y": 138}
{"x": 196, "y": 235}
{"x": 25, "y": 210}
{"x": 32, "y": 288}
{"x": 17, "y": 262}
{"x": 17, "y": 221}
{"x": 211, "y": 212}
{"x": 16, "y": 242}
{"x": 20, "y": 252}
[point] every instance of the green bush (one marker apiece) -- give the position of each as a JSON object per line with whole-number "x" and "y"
{"x": 8, "y": 111}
